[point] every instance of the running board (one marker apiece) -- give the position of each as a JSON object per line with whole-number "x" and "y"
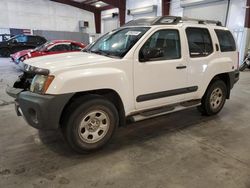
{"x": 147, "y": 114}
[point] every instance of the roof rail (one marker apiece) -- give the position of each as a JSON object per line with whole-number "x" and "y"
{"x": 169, "y": 20}
{"x": 216, "y": 22}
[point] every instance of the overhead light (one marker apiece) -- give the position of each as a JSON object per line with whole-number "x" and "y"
{"x": 99, "y": 4}
{"x": 143, "y": 10}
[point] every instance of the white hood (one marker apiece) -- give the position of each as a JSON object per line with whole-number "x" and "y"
{"x": 68, "y": 60}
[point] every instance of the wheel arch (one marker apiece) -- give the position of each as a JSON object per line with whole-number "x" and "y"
{"x": 108, "y": 94}
{"x": 225, "y": 77}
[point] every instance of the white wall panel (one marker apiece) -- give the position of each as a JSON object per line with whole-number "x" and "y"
{"x": 132, "y": 4}
{"x": 209, "y": 11}
{"x": 109, "y": 24}
{"x": 175, "y": 8}
{"x": 43, "y": 15}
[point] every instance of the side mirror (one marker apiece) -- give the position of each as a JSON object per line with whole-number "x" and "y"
{"x": 150, "y": 53}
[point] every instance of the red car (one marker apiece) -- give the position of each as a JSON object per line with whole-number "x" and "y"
{"x": 49, "y": 48}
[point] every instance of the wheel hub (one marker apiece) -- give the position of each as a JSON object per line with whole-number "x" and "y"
{"x": 94, "y": 126}
{"x": 216, "y": 98}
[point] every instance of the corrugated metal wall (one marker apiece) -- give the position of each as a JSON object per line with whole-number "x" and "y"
{"x": 63, "y": 35}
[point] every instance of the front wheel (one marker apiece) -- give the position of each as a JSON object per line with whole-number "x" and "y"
{"x": 90, "y": 123}
{"x": 214, "y": 98}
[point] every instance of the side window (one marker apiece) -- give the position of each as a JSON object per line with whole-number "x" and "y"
{"x": 32, "y": 39}
{"x": 226, "y": 40}
{"x": 75, "y": 47}
{"x": 40, "y": 40}
{"x": 162, "y": 45}
{"x": 199, "y": 42}
{"x": 60, "y": 48}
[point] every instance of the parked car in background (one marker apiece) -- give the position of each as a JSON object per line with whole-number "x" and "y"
{"x": 20, "y": 42}
{"x": 49, "y": 48}
{"x": 5, "y": 37}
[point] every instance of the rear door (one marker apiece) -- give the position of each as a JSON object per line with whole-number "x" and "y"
{"x": 201, "y": 52}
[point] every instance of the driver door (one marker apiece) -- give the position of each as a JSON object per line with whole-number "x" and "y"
{"x": 162, "y": 78}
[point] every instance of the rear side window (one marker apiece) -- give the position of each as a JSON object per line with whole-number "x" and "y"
{"x": 226, "y": 40}
{"x": 199, "y": 42}
{"x": 32, "y": 39}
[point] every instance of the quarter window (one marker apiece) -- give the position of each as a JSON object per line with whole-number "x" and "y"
{"x": 199, "y": 42}
{"x": 163, "y": 45}
{"x": 226, "y": 40}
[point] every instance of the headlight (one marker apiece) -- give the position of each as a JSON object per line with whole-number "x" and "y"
{"x": 40, "y": 83}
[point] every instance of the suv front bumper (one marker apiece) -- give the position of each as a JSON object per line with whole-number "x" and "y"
{"x": 40, "y": 111}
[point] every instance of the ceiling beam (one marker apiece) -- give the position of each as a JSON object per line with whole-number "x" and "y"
{"x": 116, "y": 3}
{"x": 89, "y": 1}
{"x": 78, "y": 5}
{"x": 106, "y": 7}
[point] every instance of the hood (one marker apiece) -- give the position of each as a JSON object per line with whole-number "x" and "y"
{"x": 21, "y": 53}
{"x": 68, "y": 60}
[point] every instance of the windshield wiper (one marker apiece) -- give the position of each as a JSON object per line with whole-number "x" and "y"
{"x": 100, "y": 52}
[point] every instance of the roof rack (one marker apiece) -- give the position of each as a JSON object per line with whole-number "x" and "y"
{"x": 169, "y": 20}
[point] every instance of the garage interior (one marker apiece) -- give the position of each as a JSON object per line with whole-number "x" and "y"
{"x": 177, "y": 150}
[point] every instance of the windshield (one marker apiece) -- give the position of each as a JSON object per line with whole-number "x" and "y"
{"x": 43, "y": 47}
{"x": 117, "y": 43}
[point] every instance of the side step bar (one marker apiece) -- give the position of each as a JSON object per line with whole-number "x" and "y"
{"x": 147, "y": 114}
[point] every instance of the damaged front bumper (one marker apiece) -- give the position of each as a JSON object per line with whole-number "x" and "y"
{"x": 39, "y": 111}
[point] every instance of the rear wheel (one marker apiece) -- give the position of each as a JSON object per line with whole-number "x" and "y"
{"x": 214, "y": 98}
{"x": 90, "y": 123}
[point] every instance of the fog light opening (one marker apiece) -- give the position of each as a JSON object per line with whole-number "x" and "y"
{"x": 33, "y": 115}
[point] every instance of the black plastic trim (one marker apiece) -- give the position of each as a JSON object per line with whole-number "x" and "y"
{"x": 42, "y": 111}
{"x": 162, "y": 94}
{"x": 234, "y": 77}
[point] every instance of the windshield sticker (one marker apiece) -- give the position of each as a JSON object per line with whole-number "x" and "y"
{"x": 134, "y": 33}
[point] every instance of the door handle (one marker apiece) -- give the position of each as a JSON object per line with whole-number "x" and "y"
{"x": 181, "y": 67}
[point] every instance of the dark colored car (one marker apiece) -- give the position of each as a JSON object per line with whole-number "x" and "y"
{"x": 5, "y": 37}
{"x": 20, "y": 42}
{"x": 49, "y": 48}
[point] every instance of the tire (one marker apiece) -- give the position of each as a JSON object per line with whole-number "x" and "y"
{"x": 214, "y": 98}
{"x": 5, "y": 52}
{"x": 89, "y": 123}
{"x": 243, "y": 66}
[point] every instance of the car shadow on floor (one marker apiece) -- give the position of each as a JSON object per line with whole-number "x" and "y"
{"x": 132, "y": 133}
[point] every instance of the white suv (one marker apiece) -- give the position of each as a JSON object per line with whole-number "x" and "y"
{"x": 147, "y": 68}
